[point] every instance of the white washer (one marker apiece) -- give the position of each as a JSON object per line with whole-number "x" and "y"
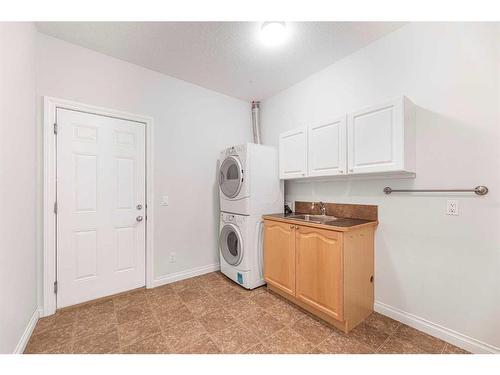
{"x": 249, "y": 181}
{"x": 240, "y": 247}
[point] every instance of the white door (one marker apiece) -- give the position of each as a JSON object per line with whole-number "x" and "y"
{"x": 293, "y": 154}
{"x": 376, "y": 138}
{"x": 327, "y": 148}
{"x": 101, "y": 195}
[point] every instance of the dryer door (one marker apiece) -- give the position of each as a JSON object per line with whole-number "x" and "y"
{"x": 230, "y": 177}
{"x": 230, "y": 244}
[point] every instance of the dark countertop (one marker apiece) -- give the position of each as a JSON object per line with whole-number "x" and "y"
{"x": 340, "y": 224}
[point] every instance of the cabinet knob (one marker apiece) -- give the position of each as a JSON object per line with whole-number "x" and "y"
{"x": 351, "y": 170}
{"x": 296, "y": 227}
{"x": 292, "y": 226}
{"x": 341, "y": 171}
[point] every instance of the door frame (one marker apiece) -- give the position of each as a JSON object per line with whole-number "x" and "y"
{"x": 50, "y": 106}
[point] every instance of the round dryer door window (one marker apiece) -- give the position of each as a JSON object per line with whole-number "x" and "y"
{"x": 230, "y": 244}
{"x": 231, "y": 177}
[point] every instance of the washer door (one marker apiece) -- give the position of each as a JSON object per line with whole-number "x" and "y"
{"x": 230, "y": 244}
{"x": 231, "y": 177}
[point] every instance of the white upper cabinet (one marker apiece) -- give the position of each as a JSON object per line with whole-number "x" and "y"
{"x": 327, "y": 153}
{"x": 382, "y": 138}
{"x": 377, "y": 140}
{"x": 293, "y": 154}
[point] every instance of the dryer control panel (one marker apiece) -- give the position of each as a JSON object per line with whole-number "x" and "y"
{"x": 234, "y": 150}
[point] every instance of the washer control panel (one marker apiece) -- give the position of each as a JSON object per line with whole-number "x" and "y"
{"x": 231, "y": 218}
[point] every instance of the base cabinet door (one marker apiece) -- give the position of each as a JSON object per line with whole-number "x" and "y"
{"x": 319, "y": 279}
{"x": 279, "y": 255}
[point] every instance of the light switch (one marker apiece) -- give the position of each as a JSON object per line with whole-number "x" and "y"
{"x": 164, "y": 200}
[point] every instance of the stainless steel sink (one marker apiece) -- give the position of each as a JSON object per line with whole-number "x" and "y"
{"x": 320, "y": 219}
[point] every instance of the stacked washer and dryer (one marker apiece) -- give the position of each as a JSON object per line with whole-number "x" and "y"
{"x": 249, "y": 187}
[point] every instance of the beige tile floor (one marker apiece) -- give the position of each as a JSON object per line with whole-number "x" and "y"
{"x": 211, "y": 314}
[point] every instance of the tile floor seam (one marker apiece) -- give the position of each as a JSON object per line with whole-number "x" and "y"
{"x": 210, "y": 334}
{"x": 155, "y": 317}
{"x": 383, "y": 343}
{"x": 322, "y": 341}
{"x": 260, "y": 340}
{"x": 117, "y": 327}
{"x": 391, "y": 335}
{"x": 444, "y": 348}
{"x": 215, "y": 341}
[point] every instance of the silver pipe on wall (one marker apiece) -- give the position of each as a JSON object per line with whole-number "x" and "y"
{"x": 256, "y": 122}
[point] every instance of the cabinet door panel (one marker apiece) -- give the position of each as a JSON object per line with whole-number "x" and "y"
{"x": 293, "y": 154}
{"x": 319, "y": 275}
{"x": 376, "y": 138}
{"x": 327, "y": 148}
{"x": 279, "y": 255}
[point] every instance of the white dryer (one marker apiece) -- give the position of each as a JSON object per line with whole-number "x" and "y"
{"x": 240, "y": 246}
{"x": 249, "y": 182}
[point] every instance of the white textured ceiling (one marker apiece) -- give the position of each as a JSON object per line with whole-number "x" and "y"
{"x": 227, "y": 57}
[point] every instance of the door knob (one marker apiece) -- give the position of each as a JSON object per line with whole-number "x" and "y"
{"x": 138, "y": 218}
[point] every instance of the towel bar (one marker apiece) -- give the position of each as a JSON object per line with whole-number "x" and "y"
{"x": 479, "y": 190}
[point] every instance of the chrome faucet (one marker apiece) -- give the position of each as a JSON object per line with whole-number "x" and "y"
{"x": 322, "y": 208}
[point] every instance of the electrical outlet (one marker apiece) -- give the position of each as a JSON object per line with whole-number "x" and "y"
{"x": 452, "y": 207}
{"x": 164, "y": 200}
{"x": 172, "y": 258}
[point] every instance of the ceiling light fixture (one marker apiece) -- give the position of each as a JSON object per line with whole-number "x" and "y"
{"x": 273, "y": 33}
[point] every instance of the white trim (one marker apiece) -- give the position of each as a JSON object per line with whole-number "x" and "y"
{"x": 49, "y": 195}
{"x": 167, "y": 279}
{"x": 436, "y": 330}
{"x": 23, "y": 341}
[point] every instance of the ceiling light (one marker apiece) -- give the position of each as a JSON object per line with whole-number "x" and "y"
{"x": 273, "y": 33}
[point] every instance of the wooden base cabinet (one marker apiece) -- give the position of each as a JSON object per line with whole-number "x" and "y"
{"x": 327, "y": 272}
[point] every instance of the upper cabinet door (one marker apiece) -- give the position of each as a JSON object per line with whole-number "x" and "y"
{"x": 293, "y": 154}
{"x": 327, "y": 141}
{"x": 376, "y": 137}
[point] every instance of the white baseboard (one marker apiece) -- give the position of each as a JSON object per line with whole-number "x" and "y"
{"x": 167, "y": 279}
{"x": 453, "y": 337}
{"x": 21, "y": 345}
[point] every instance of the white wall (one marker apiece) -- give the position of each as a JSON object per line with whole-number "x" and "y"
{"x": 18, "y": 298}
{"x": 192, "y": 125}
{"x": 445, "y": 269}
